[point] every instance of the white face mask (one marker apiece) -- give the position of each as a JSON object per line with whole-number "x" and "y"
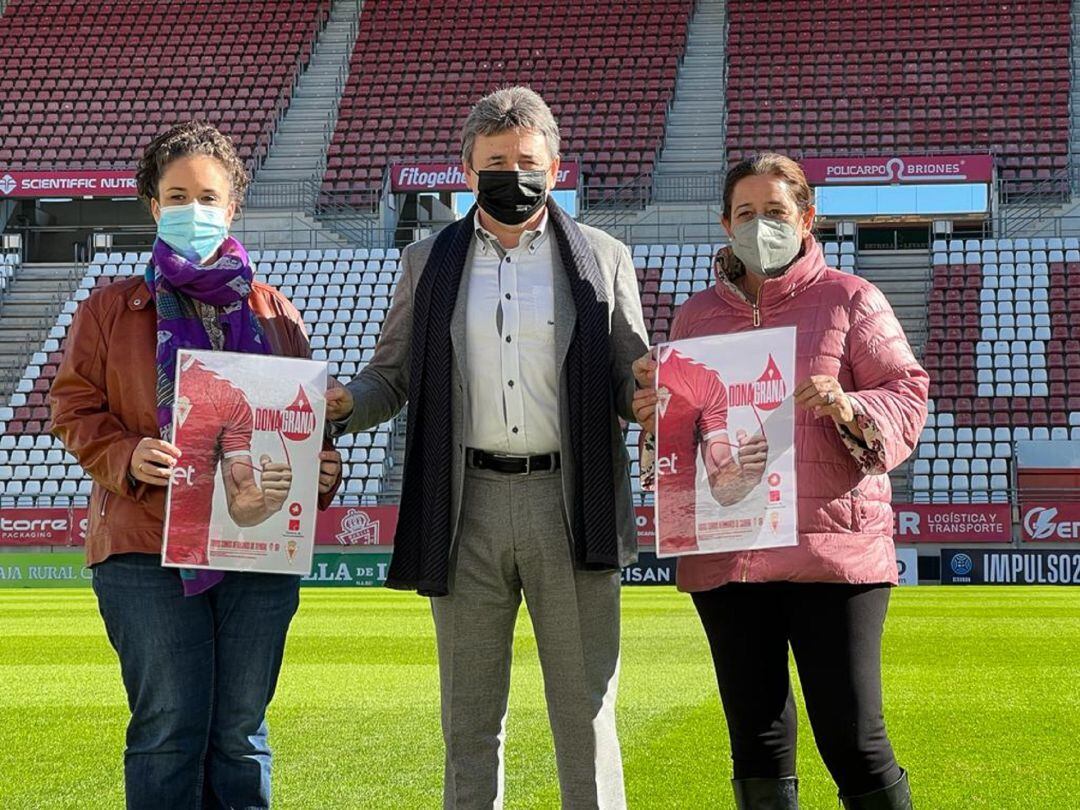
{"x": 766, "y": 246}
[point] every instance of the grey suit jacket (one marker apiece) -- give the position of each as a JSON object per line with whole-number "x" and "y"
{"x": 381, "y": 389}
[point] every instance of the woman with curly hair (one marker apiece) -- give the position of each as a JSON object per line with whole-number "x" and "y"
{"x": 199, "y": 651}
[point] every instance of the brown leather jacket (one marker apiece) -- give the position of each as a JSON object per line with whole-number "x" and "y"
{"x": 104, "y": 398}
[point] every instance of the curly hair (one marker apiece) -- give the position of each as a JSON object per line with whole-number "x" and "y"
{"x": 183, "y": 140}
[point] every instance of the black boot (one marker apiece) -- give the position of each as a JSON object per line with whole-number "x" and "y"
{"x": 766, "y": 794}
{"x": 896, "y": 796}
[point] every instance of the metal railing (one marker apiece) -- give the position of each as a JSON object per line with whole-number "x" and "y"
{"x": 706, "y": 187}
{"x": 35, "y": 338}
{"x": 1022, "y": 211}
{"x": 286, "y": 195}
{"x": 658, "y": 226}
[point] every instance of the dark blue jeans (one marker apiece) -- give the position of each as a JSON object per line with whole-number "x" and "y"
{"x": 199, "y": 673}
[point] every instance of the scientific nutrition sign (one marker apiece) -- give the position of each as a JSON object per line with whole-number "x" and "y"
{"x": 67, "y": 183}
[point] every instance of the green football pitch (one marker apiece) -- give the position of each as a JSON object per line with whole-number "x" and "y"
{"x": 982, "y": 703}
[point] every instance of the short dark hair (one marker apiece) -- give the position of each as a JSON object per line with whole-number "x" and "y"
{"x": 183, "y": 140}
{"x": 769, "y": 163}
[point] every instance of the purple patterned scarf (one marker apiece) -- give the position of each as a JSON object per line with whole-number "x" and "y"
{"x": 199, "y": 307}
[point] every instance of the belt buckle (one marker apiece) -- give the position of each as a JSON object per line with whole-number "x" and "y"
{"x": 512, "y": 457}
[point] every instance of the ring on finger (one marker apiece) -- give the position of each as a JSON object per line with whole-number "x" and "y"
{"x": 830, "y": 398}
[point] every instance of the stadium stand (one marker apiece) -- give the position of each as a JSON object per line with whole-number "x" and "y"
{"x": 343, "y": 295}
{"x": 607, "y": 69}
{"x": 88, "y": 85}
{"x": 907, "y": 77}
{"x": 1003, "y": 354}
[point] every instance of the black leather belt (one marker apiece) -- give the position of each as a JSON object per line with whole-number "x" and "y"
{"x": 511, "y": 465}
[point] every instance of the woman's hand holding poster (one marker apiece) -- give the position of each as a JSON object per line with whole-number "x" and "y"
{"x": 725, "y": 449}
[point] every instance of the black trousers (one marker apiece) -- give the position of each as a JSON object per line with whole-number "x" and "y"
{"x": 834, "y": 631}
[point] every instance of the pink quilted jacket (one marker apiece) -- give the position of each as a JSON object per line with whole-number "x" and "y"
{"x": 846, "y": 329}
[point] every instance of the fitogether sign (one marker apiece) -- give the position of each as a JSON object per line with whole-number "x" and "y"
{"x": 448, "y": 176}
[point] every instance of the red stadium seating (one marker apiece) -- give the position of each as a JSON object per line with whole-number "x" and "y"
{"x": 89, "y": 84}
{"x": 607, "y": 70}
{"x": 1003, "y": 354}
{"x": 903, "y": 76}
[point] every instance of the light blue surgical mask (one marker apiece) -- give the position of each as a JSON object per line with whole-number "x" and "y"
{"x": 195, "y": 231}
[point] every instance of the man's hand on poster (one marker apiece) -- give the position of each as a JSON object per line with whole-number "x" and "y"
{"x": 645, "y": 370}
{"x": 824, "y": 396}
{"x": 329, "y": 470}
{"x": 339, "y": 401}
{"x": 644, "y": 404}
{"x": 153, "y": 461}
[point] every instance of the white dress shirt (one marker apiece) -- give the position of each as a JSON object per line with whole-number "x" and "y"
{"x": 510, "y": 345}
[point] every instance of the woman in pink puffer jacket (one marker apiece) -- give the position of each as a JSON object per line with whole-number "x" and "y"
{"x": 861, "y": 398}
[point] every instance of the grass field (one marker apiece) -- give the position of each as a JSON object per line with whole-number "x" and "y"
{"x": 982, "y": 702}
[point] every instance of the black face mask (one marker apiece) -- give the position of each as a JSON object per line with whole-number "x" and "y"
{"x": 511, "y": 198}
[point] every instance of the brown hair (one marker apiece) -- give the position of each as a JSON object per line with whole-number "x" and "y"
{"x": 769, "y": 163}
{"x": 183, "y": 140}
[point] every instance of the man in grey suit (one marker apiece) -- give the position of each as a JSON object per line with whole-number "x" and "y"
{"x": 512, "y": 336}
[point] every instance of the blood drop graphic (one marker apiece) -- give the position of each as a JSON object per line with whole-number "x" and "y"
{"x": 299, "y": 419}
{"x": 770, "y": 389}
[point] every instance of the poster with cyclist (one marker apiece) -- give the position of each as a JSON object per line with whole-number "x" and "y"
{"x": 725, "y": 450}
{"x": 244, "y": 494}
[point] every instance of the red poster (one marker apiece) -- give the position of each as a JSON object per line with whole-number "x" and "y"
{"x": 447, "y": 176}
{"x": 67, "y": 183}
{"x": 243, "y": 495}
{"x": 356, "y": 526}
{"x": 1042, "y": 522}
{"x": 952, "y": 523}
{"x": 907, "y": 169}
{"x": 723, "y": 401}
